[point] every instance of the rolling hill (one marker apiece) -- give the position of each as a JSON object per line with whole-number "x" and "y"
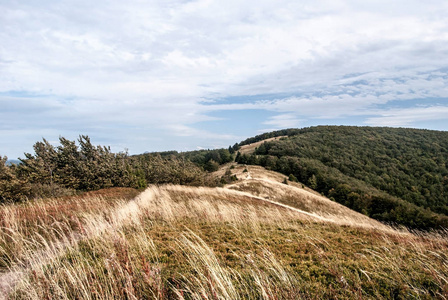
{"x": 394, "y": 175}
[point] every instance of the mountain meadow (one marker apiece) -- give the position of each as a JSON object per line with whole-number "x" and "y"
{"x": 327, "y": 212}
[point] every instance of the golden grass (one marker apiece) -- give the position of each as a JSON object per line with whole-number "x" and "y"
{"x": 175, "y": 242}
{"x": 250, "y": 148}
{"x": 25, "y": 226}
{"x": 268, "y": 186}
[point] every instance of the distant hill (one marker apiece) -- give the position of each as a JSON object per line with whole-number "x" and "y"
{"x": 12, "y": 161}
{"x": 395, "y": 175}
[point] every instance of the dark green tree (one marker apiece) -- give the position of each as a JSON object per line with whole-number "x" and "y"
{"x": 211, "y": 166}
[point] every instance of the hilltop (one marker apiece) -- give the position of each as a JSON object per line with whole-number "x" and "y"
{"x": 394, "y": 175}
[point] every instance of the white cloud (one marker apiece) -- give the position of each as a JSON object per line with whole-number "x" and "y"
{"x": 150, "y": 65}
{"x": 358, "y": 95}
{"x": 408, "y": 116}
{"x": 283, "y": 121}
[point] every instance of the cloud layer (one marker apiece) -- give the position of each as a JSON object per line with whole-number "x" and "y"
{"x": 154, "y": 75}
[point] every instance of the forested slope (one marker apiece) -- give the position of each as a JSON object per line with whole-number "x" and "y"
{"x": 392, "y": 174}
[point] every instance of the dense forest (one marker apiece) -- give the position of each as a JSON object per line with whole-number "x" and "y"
{"x": 392, "y": 174}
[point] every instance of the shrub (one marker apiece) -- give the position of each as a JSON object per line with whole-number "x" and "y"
{"x": 293, "y": 178}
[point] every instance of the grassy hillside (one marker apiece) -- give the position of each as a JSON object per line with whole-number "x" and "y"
{"x": 256, "y": 238}
{"x": 392, "y": 174}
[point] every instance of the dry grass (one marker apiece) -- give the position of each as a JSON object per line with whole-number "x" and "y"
{"x": 268, "y": 185}
{"x": 26, "y": 226}
{"x": 174, "y": 242}
{"x": 250, "y": 148}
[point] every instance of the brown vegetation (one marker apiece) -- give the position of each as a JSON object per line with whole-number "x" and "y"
{"x": 213, "y": 243}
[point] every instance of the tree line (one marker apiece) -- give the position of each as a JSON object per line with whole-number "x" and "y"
{"x": 69, "y": 167}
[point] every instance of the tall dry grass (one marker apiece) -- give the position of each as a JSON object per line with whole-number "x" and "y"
{"x": 202, "y": 243}
{"x": 30, "y": 226}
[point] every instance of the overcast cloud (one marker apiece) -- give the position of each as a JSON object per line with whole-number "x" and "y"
{"x": 160, "y": 75}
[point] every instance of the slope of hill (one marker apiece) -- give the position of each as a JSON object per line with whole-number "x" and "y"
{"x": 392, "y": 174}
{"x": 269, "y": 186}
{"x": 256, "y": 238}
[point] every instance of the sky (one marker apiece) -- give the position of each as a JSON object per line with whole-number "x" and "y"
{"x": 184, "y": 75}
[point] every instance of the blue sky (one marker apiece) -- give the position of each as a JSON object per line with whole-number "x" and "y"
{"x": 185, "y": 75}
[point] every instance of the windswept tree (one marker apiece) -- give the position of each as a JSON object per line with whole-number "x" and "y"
{"x": 11, "y": 188}
{"x": 80, "y": 165}
{"x": 40, "y": 167}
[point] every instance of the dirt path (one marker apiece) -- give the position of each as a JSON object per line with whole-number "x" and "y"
{"x": 313, "y": 215}
{"x": 331, "y": 212}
